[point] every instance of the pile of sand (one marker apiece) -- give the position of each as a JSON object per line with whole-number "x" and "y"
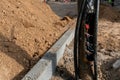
{"x": 27, "y": 29}
{"x": 109, "y": 13}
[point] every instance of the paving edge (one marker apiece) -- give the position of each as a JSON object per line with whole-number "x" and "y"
{"x": 45, "y": 67}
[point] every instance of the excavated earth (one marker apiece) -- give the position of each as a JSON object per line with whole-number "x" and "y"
{"x": 28, "y": 28}
{"x": 108, "y": 48}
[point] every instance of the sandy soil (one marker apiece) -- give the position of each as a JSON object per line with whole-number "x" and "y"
{"x": 108, "y": 43}
{"x": 65, "y": 68}
{"x": 28, "y": 28}
{"x": 109, "y": 29}
{"x": 108, "y": 48}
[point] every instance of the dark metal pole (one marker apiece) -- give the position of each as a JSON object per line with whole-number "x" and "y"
{"x": 81, "y": 66}
{"x": 97, "y": 3}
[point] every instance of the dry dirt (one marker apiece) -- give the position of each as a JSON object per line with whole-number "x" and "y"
{"x": 108, "y": 48}
{"x": 109, "y": 29}
{"x": 108, "y": 43}
{"x": 28, "y": 28}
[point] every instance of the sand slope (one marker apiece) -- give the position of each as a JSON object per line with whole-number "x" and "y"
{"x": 27, "y": 29}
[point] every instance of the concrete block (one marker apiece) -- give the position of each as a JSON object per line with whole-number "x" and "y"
{"x": 116, "y": 65}
{"x": 45, "y": 67}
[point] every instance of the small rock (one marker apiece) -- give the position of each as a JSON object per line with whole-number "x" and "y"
{"x": 112, "y": 54}
{"x": 116, "y": 65}
{"x": 100, "y": 56}
{"x": 68, "y": 50}
{"x": 102, "y": 50}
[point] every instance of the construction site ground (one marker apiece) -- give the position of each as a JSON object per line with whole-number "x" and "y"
{"x": 28, "y": 28}
{"x": 108, "y": 48}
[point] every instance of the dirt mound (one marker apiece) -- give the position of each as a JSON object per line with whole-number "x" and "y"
{"x": 27, "y": 29}
{"x": 109, "y": 13}
{"x": 109, "y": 29}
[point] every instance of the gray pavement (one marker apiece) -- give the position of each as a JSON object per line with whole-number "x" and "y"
{"x": 64, "y": 9}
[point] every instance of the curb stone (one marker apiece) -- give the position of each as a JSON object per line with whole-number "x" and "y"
{"x": 45, "y": 67}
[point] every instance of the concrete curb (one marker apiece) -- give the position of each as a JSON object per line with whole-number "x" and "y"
{"x": 45, "y": 67}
